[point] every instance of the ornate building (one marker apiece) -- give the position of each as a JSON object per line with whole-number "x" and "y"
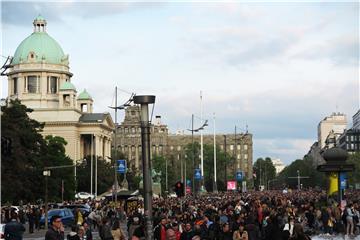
{"x": 173, "y": 145}
{"x": 39, "y": 76}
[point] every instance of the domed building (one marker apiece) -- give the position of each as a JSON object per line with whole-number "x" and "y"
{"x": 39, "y": 76}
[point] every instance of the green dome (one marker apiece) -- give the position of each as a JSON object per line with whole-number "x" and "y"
{"x": 84, "y": 95}
{"x": 41, "y": 44}
{"x": 67, "y": 86}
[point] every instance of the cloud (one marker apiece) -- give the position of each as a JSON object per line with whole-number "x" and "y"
{"x": 287, "y": 149}
{"x": 57, "y": 11}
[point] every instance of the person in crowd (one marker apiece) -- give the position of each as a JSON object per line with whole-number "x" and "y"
{"x": 241, "y": 233}
{"x": 56, "y": 229}
{"x": 188, "y": 232}
{"x": 87, "y": 229}
{"x": 73, "y": 234}
{"x": 14, "y": 230}
{"x": 299, "y": 233}
{"x": 349, "y": 220}
{"x": 105, "y": 229}
{"x": 160, "y": 229}
{"x": 226, "y": 234}
{"x": 116, "y": 231}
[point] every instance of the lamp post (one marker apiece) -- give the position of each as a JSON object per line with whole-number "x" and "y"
{"x": 144, "y": 101}
{"x": 192, "y": 130}
{"x": 46, "y": 173}
{"x": 215, "y": 178}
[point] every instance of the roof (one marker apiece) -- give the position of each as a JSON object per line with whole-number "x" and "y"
{"x": 43, "y": 47}
{"x": 93, "y": 117}
{"x": 67, "y": 86}
{"x": 84, "y": 95}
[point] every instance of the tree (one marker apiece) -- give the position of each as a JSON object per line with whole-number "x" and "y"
{"x": 53, "y": 155}
{"x": 105, "y": 174}
{"x": 264, "y": 170}
{"x": 26, "y": 155}
{"x": 305, "y": 167}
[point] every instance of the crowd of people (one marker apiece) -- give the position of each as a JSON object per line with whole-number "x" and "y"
{"x": 252, "y": 215}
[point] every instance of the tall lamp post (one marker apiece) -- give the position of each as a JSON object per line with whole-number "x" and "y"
{"x": 46, "y": 173}
{"x": 144, "y": 101}
{"x": 192, "y": 130}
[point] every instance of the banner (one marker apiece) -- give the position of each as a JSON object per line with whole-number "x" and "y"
{"x": 343, "y": 180}
{"x": 231, "y": 185}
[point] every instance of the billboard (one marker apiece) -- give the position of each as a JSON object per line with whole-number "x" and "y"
{"x": 231, "y": 185}
{"x": 121, "y": 166}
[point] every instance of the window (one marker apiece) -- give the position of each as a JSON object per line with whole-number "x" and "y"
{"x": 231, "y": 147}
{"x": 171, "y": 148}
{"x": 352, "y": 138}
{"x": 32, "y": 84}
{"x": 238, "y": 156}
{"x": 245, "y": 146}
{"x": 238, "y": 147}
{"x": 245, "y": 156}
{"x": 53, "y": 84}
{"x": 178, "y": 148}
{"x": 15, "y": 82}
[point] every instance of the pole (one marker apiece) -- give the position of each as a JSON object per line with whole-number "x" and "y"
{"x": 146, "y": 164}
{"x": 201, "y": 145}
{"x": 96, "y": 172}
{"x": 225, "y": 160}
{"x": 62, "y": 190}
{"x": 115, "y": 150}
{"x": 235, "y": 157}
{"x": 185, "y": 175}
{"x": 75, "y": 177}
{"x": 166, "y": 174}
{"x": 215, "y": 184}
{"x": 193, "y": 150}
{"x": 298, "y": 178}
{"x": 92, "y": 164}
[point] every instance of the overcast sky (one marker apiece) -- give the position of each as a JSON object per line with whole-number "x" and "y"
{"x": 279, "y": 68}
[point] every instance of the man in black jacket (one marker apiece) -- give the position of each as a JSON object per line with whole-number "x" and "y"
{"x": 13, "y": 229}
{"x": 56, "y": 230}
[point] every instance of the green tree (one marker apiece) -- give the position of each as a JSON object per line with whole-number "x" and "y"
{"x": 105, "y": 174}
{"x": 264, "y": 170}
{"x": 306, "y": 168}
{"x": 25, "y": 156}
{"x": 54, "y": 155}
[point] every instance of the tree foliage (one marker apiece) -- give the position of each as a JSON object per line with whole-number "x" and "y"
{"x": 265, "y": 171}
{"x": 26, "y": 155}
{"x": 306, "y": 168}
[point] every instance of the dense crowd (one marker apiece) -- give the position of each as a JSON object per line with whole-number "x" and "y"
{"x": 253, "y": 215}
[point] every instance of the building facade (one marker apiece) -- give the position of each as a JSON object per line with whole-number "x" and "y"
{"x": 128, "y": 141}
{"x": 278, "y": 164}
{"x": 39, "y": 76}
{"x": 350, "y": 140}
{"x": 336, "y": 123}
{"x": 356, "y": 120}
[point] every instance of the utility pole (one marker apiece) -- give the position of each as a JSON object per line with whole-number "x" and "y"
{"x": 202, "y": 148}
{"x": 215, "y": 177}
{"x": 298, "y": 177}
{"x": 235, "y": 157}
{"x": 92, "y": 164}
{"x": 193, "y": 151}
{"x": 225, "y": 160}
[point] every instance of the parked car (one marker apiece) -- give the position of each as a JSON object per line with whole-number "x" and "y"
{"x": 84, "y": 209}
{"x": 84, "y": 195}
{"x": 67, "y": 217}
{"x": 2, "y": 230}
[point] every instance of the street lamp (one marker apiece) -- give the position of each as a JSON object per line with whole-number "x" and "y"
{"x": 192, "y": 130}
{"x": 144, "y": 102}
{"x": 47, "y": 174}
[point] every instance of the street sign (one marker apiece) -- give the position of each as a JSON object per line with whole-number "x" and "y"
{"x": 231, "y": 185}
{"x": 121, "y": 166}
{"x": 188, "y": 182}
{"x": 197, "y": 174}
{"x": 239, "y": 176}
{"x": 343, "y": 180}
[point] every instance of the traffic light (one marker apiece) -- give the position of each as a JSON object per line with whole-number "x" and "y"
{"x": 179, "y": 189}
